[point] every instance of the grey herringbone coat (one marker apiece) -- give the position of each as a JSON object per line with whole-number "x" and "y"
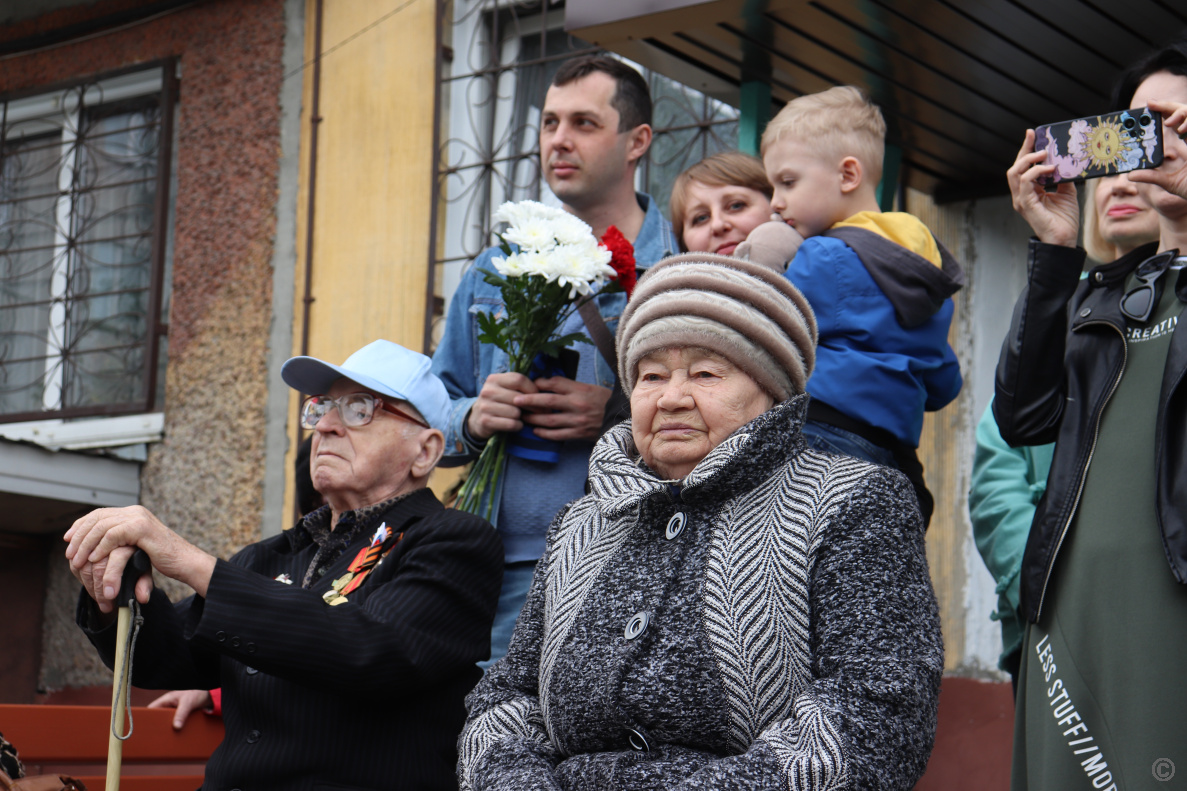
{"x": 769, "y": 624}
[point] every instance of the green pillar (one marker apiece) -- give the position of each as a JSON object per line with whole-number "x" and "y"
{"x": 892, "y": 162}
{"x": 755, "y": 112}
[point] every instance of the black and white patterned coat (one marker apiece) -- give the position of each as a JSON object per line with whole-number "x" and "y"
{"x": 770, "y": 624}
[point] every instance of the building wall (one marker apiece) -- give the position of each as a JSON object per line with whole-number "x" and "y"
{"x": 974, "y": 736}
{"x": 373, "y": 188}
{"x": 989, "y": 240}
{"x": 205, "y": 478}
{"x": 997, "y": 268}
{"x": 944, "y": 446}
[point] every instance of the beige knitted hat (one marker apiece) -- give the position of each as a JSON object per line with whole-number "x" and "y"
{"x": 748, "y": 313}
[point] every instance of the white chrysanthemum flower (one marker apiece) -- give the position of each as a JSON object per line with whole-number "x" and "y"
{"x": 571, "y": 230}
{"x": 536, "y": 263}
{"x": 512, "y": 213}
{"x": 511, "y": 266}
{"x": 547, "y": 212}
{"x": 521, "y": 211}
{"x": 554, "y": 245}
{"x": 581, "y": 266}
{"x": 597, "y": 259}
{"x": 534, "y": 233}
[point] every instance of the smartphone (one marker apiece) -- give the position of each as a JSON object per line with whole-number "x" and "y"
{"x": 1101, "y": 145}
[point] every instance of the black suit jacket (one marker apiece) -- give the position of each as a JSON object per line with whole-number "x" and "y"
{"x": 367, "y": 694}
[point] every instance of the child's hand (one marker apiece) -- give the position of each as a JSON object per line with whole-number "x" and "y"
{"x": 1054, "y": 216}
{"x": 1171, "y": 175}
{"x": 772, "y": 244}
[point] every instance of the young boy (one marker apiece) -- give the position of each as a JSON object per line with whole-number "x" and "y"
{"x": 880, "y": 284}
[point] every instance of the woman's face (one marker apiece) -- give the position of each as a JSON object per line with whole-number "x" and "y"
{"x": 1124, "y": 216}
{"x": 717, "y": 219}
{"x": 685, "y": 402}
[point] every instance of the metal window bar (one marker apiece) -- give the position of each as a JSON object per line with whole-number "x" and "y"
{"x": 92, "y": 295}
{"x": 92, "y": 241}
{"x": 105, "y": 265}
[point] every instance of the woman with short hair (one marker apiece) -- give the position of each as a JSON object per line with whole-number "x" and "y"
{"x": 717, "y": 202}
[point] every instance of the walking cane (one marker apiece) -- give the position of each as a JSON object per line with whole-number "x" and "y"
{"x": 137, "y": 566}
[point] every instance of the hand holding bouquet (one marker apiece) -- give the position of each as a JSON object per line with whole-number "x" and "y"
{"x": 556, "y": 264}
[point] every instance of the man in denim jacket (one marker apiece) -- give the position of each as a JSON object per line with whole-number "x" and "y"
{"x": 594, "y": 129}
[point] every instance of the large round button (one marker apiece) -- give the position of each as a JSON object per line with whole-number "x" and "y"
{"x": 636, "y": 625}
{"x": 251, "y": 671}
{"x": 220, "y": 636}
{"x": 675, "y": 526}
{"x": 253, "y": 737}
{"x": 1085, "y": 312}
{"x": 234, "y": 642}
{"x": 251, "y": 648}
{"x": 637, "y": 740}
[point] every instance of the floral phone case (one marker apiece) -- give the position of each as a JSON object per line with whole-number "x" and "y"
{"x": 1101, "y": 145}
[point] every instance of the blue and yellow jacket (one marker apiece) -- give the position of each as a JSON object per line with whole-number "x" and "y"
{"x": 881, "y": 287}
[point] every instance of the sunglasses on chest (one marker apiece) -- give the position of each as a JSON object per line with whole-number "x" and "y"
{"x": 1139, "y": 302}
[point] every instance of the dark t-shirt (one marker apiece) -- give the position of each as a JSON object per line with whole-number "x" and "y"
{"x": 1101, "y": 700}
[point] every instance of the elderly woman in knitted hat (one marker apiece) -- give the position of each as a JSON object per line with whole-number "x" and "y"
{"x": 726, "y": 609}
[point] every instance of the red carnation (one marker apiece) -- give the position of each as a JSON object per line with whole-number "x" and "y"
{"x": 623, "y": 259}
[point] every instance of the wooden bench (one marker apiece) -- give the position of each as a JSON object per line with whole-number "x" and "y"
{"x": 72, "y": 740}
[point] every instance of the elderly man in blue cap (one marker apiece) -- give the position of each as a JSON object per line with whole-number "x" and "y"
{"x": 344, "y": 646}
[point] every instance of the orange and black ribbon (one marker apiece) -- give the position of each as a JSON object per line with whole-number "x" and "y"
{"x": 368, "y": 558}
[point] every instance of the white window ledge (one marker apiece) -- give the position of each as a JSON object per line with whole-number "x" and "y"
{"x": 104, "y": 432}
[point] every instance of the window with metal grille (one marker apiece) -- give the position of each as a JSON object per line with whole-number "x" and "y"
{"x": 500, "y": 58}
{"x": 84, "y": 189}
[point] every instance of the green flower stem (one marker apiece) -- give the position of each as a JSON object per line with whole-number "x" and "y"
{"x": 477, "y": 495}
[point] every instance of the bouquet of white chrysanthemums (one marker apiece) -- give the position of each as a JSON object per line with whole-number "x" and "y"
{"x": 556, "y": 264}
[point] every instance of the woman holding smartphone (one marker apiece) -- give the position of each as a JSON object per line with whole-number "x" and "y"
{"x": 1098, "y": 365}
{"x": 1007, "y": 482}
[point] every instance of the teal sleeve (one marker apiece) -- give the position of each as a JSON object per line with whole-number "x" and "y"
{"x": 1007, "y": 484}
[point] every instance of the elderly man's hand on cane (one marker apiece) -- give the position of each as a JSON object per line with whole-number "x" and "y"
{"x": 102, "y": 542}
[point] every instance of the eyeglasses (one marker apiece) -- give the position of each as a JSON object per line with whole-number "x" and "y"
{"x": 1138, "y": 303}
{"x": 355, "y": 409}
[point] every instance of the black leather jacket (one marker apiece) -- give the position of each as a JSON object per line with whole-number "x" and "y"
{"x": 1060, "y": 364}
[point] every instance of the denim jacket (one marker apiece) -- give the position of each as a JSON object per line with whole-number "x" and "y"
{"x": 463, "y": 363}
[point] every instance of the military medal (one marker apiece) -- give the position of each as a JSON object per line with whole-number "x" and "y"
{"x": 368, "y": 558}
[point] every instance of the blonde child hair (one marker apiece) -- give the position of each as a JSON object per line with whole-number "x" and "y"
{"x": 840, "y": 122}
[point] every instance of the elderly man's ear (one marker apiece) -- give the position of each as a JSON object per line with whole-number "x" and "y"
{"x": 432, "y": 446}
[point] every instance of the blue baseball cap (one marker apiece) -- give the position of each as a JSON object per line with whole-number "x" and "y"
{"x": 385, "y": 367}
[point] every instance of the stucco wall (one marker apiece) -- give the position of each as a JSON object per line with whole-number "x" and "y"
{"x": 205, "y": 478}
{"x": 989, "y": 240}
